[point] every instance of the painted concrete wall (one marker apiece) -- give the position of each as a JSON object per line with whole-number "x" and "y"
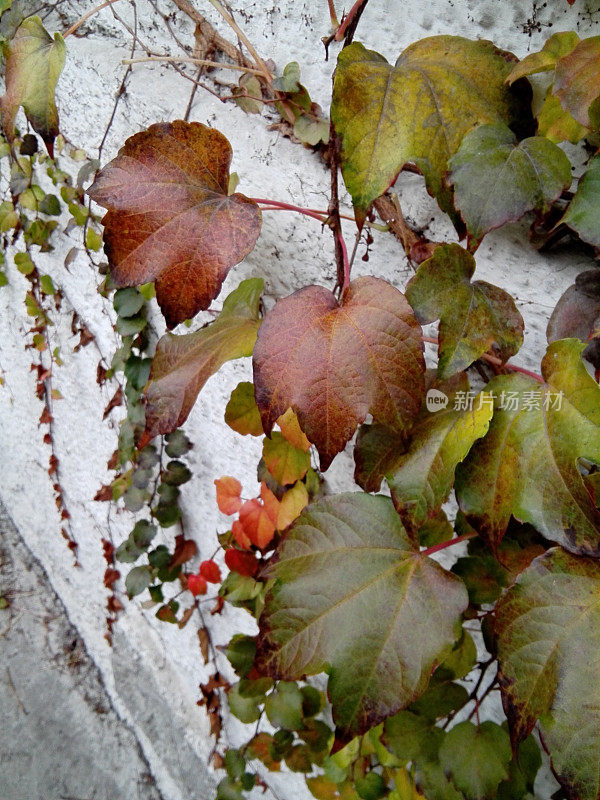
{"x": 153, "y": 671}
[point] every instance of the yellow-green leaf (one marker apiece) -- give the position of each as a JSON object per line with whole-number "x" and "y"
{"x": 34, "y": 61}
{"x": 418, "y": 110}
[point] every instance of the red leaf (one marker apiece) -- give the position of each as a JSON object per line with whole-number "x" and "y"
{"x": 197, "y": 584}
{"x": 257, "y": 524}
{"x": 169, "y": 217}
{"x": 240, "y": 562}
{"x": 116, "y": 400}
{"x": 334, "y": 363}
{"x": 184, "y": 550}
{"x": 210, "y": 571}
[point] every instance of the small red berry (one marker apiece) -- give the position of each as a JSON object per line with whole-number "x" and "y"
{"x": 197, "y": 584}
{"x": 210, "y": 571}
{"x": 244, "y": 563}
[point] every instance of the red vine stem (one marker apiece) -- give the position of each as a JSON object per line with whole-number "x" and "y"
{"x": 497, "y": 362}
{"x": 276, "y": 205}
{"x": 448, "y": 543}
{"x": 339, "y": 34}
{"x": 346, "y": 283}
{"x": 334, "y": 20}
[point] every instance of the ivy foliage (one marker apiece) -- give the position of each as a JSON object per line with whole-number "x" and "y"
{"x": 345, "y": 584}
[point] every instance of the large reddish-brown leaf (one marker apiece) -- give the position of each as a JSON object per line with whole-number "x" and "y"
{"x": 335, "y": 363}
{"x": 169, "y": 217}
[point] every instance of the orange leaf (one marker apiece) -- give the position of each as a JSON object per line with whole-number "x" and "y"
{"x": 271, "y": 503}
{"x": 257, "y": 524}
{"x": 170, "y": 219}
{"x": 334, "y": 363}
{"x": 229, "y": 492}
{"x": 239, "y": 534}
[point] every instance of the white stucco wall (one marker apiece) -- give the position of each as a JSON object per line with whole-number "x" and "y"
{"x": 153, "y": 671}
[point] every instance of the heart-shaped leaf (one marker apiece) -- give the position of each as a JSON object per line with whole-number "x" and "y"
{"x": 474, "y": 316}
{"x": 549, "y": 664}
{"x": 334, "y": 363}
{"x": 577, "y": 314}
{"x": 488, "y": 748}
{"x": 170, "y": 219}
{"x": 418, "y": 110}
{"x": 497, "y": 180}
{"x": 34, "y": 61}
{"x": 352, "y": 596}
{"x": 583, "y": 213}
{"x": 527, "y": 464}
{"x": 424, "y": 475}
{"x": 577, "y": 79}
{"x": 183, "y": 364}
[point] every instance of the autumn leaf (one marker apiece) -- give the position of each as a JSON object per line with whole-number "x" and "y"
{"x": 241, "y": 412}
{"x": 423, "y": 476}
{"x": 293, "y": 502}
{"x": 183, "y": 364}
{"x": 577, "y": 79}
{"x": 557, "y": 124}
{"x": 376, "y": 453}
{"x": 497, "y": 180}
{"x": 549, "y": 665}
{"x": 34, "y": 61}
{"x": 474, "y": 316}
{"x": 229, "y": 491}
{"x": 583, "y": 212}
{"x": 577, "y": 314}
{"x": 527, "y": 464}
{"x": 257, "y": 520}
{"x": 556, "y": 46}
{"x": 170, "y": 219}
{"x": 334, "y": 363}
{"x": 351, "y": 595}
{"x": 286, "y": 463}
{"x": 418, "y": 110}
{"x": 291, "y": 430}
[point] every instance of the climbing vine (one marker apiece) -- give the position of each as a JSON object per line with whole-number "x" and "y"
{"x": 473, "y": 450}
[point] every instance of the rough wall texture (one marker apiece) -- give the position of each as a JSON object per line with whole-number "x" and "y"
{"x": 152, "y": 673}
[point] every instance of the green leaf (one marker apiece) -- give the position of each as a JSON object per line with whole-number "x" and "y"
{"x": 583, "y": 212}
{"x": 371, "y": 786}
{"x": 93, "y": 240}
{"x": 521, "y": 771}
{"x": 474, "y": 316}
{"x": 235, "y": 764}
{"x": 412, "y": 737}
{"x": 435, "y": 530}
{"x": 50, "y": 205}
{"x": 246, "y": 696}
{"x": 127, "y": 302}
{"x": 439, "y": 700}
{"x": 527, "y": 464}
{"x": 286, "y": 463}
{"x": 289, "y": 80}
{"x": 138, "y": 579}
{"x": 417, "y": 111}
{"x": 476, "y": 758}
{"x": 310, "y": 130}
{"x": 424, "y": 475}
{"x": 376, "y": 454}
{"x": 183, "y": 364}
{"x": 352, "y": 596}
{"x": 497, "y": 180}
{"x": 460, "y": 661}
{"x": 229, "y": 789}
{"x": 178, "y": 444}
{"x": 34, "y": 61}
{"x": 241, "y": 412}
{"x": 549, "y": 665}
{"x": 284, "y": 706}
{"x": 240, "y": 652}
{"x": 430, "y": 779}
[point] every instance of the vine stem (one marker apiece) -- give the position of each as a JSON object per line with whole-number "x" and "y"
{"x": 334, "y": 20}
{"x": 274, "y": 205}
{"x": 201, "y": 62}
{"x": 356, "y": 8}
{"x": 346, "y": 283}
{"x": 89, "y": 14}
{"x": 497, "y": 362}
{"x": 442, "y": 546}
{"x": 264, "y": 71}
